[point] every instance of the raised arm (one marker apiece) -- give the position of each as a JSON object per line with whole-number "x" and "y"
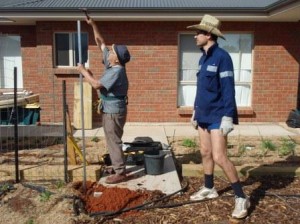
{"x": 97, "y": 35}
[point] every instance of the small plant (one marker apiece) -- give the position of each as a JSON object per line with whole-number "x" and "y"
{"x": 242, "y": 150}
{"x": 287, "y": 147}
{"x": 190, "y": 143}
{"x": 45, "y": 196}
{"x": 4, "y": 187}
{"x": 59, "y": 184}
{"x": 95, "y": 139}
{"x": 266, "y": 146}
{"x": 30, "y": 221}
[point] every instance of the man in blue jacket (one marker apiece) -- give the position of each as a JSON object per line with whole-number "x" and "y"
{"x": 215, "y": 112}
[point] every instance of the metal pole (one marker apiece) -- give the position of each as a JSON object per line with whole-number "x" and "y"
{"x": 82, "y": 111}
{"x": 15, "y": 119}
{"x": 65, "y": 131}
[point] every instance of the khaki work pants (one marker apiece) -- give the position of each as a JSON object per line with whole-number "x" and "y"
{"x": 113, "y": 125}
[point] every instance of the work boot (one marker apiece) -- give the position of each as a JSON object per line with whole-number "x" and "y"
{"x": 204, "y": 193}
{"x": 241, "y": 207}
{"x": 116, "y": 178}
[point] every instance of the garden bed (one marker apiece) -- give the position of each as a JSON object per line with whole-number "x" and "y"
{"x": 273, "y": 198}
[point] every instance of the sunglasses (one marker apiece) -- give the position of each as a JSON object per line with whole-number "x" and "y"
{"x": 201, "y": 32}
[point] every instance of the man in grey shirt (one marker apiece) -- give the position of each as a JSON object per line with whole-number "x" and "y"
{"x": 113, "y": 86}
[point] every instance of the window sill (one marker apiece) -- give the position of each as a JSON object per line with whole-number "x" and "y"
{"x": 63, "y": 71}
{"x": 241, "y": 111}
{"x": 245, "y": 111}
{"x": 185, "y": 111}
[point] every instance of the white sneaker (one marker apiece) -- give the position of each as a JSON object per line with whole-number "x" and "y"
{"x": 204, "y": 193}
{"x": 241, "y": 207}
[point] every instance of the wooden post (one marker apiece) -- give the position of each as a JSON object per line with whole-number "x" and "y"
{"x": 87, "y": 95}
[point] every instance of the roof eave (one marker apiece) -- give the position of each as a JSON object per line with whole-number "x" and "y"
{"x": 286, "y": 13}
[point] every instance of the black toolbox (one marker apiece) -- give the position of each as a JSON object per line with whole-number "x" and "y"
{"x": 135, "y": 150}
{"x": 141, "y": 146}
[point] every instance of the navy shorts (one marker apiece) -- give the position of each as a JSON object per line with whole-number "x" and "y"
{"x": 209, "y": 126}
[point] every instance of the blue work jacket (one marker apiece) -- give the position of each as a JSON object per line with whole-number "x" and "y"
{"x": 215, "y": 96}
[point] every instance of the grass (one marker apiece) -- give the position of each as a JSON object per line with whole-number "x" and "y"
{"x": 190, "y": 143}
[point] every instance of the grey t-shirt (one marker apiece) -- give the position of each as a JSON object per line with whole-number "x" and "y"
{"x": 115, "y": 88}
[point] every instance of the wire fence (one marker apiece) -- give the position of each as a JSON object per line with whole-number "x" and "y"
{"x": 31, "y": 151}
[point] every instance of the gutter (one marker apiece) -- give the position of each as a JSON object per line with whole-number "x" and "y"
{"x": 148, "y": 9}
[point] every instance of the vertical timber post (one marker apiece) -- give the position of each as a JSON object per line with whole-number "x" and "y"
{"x": 82, "y": 110}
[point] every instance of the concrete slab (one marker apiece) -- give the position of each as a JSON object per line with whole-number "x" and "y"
{"x": 89, "y": 132}
{"x": 168, "y": 182}
{"x": 157, "y": 133}
{"x": 245, "y": 130}
{"x": 272, "y": 130}
{"x": 161, "y": 131}
{"x": 180, "y": 130}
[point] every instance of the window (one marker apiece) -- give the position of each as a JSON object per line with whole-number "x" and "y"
{"x": 66, "y": 49}
{"x": 10, "y": 57}
{"x": 239, "y": 47}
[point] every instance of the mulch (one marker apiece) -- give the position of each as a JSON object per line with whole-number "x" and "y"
{"x": 274, "y": 199}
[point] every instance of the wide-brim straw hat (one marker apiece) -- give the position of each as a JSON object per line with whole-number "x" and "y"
{"x": 210, "y": 24}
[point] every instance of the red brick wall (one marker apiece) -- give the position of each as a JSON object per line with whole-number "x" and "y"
{"x": 152, "y": 71}
{"x": 276, "y": 70}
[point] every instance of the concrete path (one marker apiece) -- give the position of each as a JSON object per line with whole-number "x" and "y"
{"x": 161, "y": 131}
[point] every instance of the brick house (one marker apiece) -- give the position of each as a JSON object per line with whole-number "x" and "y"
{"x": 261, "y": 36}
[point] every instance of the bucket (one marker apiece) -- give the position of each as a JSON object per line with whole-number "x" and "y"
{"x": 154, "y": 162}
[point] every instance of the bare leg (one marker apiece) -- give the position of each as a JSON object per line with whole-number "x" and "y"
{"x": 219, "y": 152}
{"x": 206, "y": 151}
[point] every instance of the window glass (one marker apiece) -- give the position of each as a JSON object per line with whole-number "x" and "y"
{"x": 239, "y": 46}
{"x": 84, "y": 48}
{"x": 66, "y": 49}
{"x": 62, "y": 49}
{"x": 10, "y": 57}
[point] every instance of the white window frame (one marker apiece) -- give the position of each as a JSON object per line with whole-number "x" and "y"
{"x": 71, "y": 51}
{"x": 242, "y": 85}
